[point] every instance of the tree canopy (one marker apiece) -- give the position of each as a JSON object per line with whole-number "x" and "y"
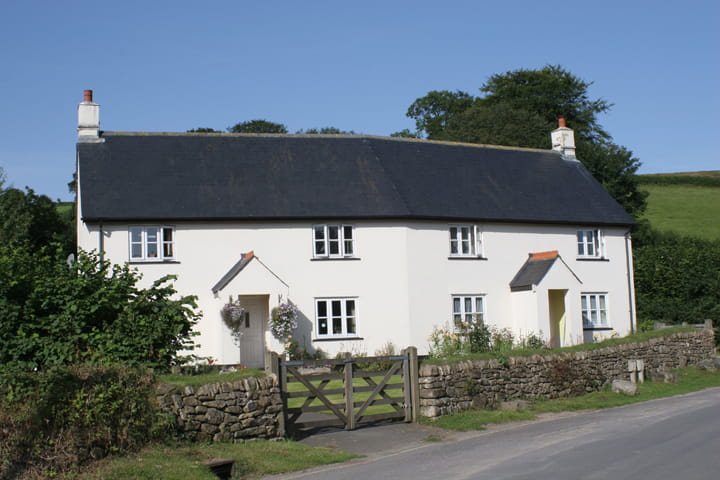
{"x": 325, "y": 131}
{"x": 258, "y": 126}
{"x": 520, "y": 108}
{"x": 33, "y": 220}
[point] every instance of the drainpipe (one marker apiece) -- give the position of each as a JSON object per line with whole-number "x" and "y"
{"x": 631, "y": 290}
{"x": 101, "y": 243}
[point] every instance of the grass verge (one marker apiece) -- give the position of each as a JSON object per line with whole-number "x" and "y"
{"x": 691, "y": 379}
{"x": 206, "y": 378}
{"x": 188, "y": 462}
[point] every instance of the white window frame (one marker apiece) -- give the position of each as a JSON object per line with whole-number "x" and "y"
{"x": 466, "y": 240}
{"x": 344, "y": 240}
{"x": 595, "y": 309}
{"x": 465, "y": 314}
{"x": 344, "y": 317}
{"x": 140, "y": 240}
{"x": 590, "y": 240}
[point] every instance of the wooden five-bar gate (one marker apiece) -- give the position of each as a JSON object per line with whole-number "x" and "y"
{"x": 349, "y": 391}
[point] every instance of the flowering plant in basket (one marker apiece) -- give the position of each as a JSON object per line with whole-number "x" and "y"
{"x": 283, "y": 320}
{"x": 233, "y": 315}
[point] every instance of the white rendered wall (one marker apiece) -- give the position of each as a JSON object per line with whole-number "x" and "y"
{"x": 403, "y": 279}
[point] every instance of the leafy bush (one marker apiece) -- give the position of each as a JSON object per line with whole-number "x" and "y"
{"x": 54, "y": 420}
{"x": 55, "y": 312}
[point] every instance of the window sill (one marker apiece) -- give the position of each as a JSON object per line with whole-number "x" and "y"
{"x": 467, "y": 257}
{"x": 592, "y": 259}
{"x": 330, "y": 259}
{"x": 598, "y": 328}
{"x": 152, "y": 262}
{"x": 336, "y": 339}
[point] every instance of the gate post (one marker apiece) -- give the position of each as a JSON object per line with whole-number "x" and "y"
{"x": 282, "y": 382}
{"x": 349, "y": 400}
{"x": 414, "y": 382}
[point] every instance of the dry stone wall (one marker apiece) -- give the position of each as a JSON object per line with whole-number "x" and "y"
{"x": 225, "y": 412}
{"x": 485, "y": 383}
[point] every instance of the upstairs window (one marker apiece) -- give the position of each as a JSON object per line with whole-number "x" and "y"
{"x": 465, "y": 241}
{"x": 152, "y": 243}
{"x": 594, "y": 310}
{"x": 589, "y": 244}
{"x": 336, "y": 317}
{"x": 333, "y": 241}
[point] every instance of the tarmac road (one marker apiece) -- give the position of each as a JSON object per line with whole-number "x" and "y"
{"x": 670, "y": 438}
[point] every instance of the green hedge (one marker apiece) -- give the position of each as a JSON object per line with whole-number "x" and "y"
{"x": 694, "y": 180}
{"x": 53, "y": 421}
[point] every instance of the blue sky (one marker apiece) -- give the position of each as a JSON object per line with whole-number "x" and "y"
{"x": 176, "y": 65}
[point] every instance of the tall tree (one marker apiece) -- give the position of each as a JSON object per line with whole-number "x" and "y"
{"x": 258, "y": 126}
{"x": 520, "y": 108}
{"x": 433, "y": 111}
{"x": 32, "y": 220}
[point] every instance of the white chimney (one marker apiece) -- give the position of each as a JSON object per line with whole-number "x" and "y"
{"x": 563, "y": 139}
{"x": 88, "y": 119}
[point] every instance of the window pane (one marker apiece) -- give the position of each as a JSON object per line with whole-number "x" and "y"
{"x": 337, "y": 325}
{"x": 468, "y": 305}
{"x": 136, "y": 250}
{"x": 136, "y": 235}
{"x": 351, "y": 325}
{"x": 453, "y": 246}
{"x": 333, "y": 232}
{"x": 478, "y": 305}
{"x": 336, "y": 308}
{"x": 319, "y": 232}
{"x": 334, "y": 246}
{"x": 348, "y": 247}
{"x": 152, "y": 250}
{"x": 322, "y": 326}
{"x": 167, "y": 234}
{"x": 322, "y": 309}
{"x": 319, "y": 248}
{"x": 348, "y": 232}
{"x": 602, "y": 301}
{"x": 583, "y": 300}
{"x": 456, "y": 305}
{"x": 167, "y": 250}
{"x": 350, "y": 308}
{"x": 593, "y": 316}
{"x": 593, "y": 302}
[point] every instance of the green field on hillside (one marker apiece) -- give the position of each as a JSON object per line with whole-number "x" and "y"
{"x": 687, "y": 204}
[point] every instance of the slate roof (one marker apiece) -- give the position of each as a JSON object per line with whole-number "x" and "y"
{"x": 173, "y": 177}
{"x": 534, "y": 270}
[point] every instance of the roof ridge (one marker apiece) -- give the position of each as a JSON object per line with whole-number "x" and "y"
{"x": 323, "y": 135}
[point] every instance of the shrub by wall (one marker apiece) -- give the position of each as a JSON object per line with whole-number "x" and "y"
{"x": 484, "y": 383}
{"x": 55, "y": 420}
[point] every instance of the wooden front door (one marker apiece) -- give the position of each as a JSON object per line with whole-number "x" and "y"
{"x": 252, "y": 341}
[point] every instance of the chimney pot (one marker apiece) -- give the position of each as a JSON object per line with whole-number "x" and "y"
{"x": 561, "y": 118}
{"x": 87, "y": 96}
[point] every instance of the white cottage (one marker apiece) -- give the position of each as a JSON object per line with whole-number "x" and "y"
{"x": 374, "y": 239}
